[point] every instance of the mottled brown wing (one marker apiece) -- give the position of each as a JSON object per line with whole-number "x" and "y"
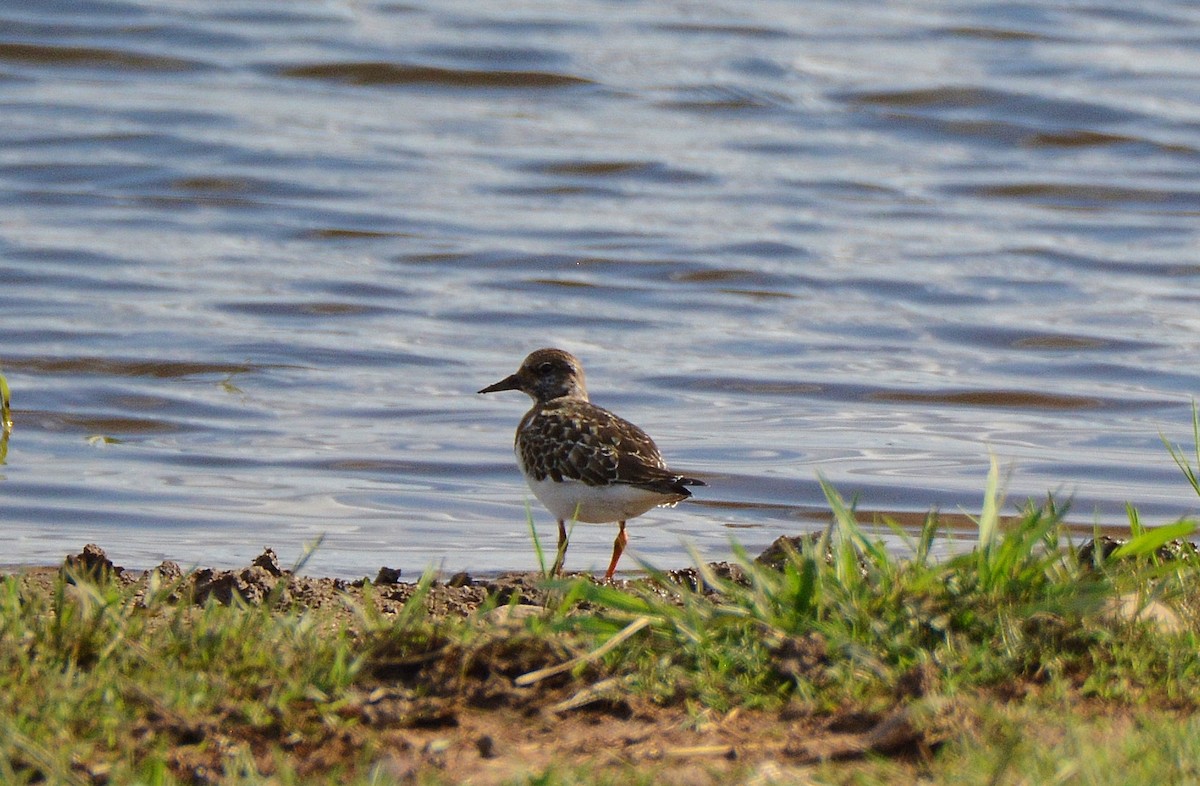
{"x": 556, "y": 440}
{"x": 578, "y": 440}
{"x": 639, "y": 462}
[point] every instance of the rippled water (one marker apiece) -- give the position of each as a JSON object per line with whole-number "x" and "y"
{"x": 256, "y": 259}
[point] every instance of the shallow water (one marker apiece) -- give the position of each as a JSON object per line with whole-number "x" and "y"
{"x": 256, "y": 259}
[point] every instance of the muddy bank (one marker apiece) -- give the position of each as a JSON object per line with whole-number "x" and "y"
{"x": 497, "y": 697}
{"x": 491, "y": 706}
{"x": 264, "y": 580}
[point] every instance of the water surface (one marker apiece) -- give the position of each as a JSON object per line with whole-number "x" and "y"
{"x": 256, "y": 259}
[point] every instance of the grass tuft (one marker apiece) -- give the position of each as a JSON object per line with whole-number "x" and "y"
{"x": 845, "y": 620}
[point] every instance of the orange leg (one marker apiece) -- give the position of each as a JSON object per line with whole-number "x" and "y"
{"x": 618, "y": 548}
{"x": 562, "y": 549}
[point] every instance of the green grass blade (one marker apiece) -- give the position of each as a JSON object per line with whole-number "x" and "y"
{"x": 1136, "y": 528}
{"x": 989, "y": 517}
{"x": 5, "y": 408}
{"x": 1180, "y": 458}
{"x": 538, "y": 551}
{"x": 1152, "y": 539}
{"x": 850, "y": 532}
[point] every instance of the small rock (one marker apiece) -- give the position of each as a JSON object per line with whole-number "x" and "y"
{"x": 1130, "y": 608}
{"x": 388, "y": 575}
{"x": 268, "y": 562}
{"x": 91, "y": 563}
{"x": 169, "y": 571}
{"x": 486, "y": 747}
{"x": 778, "y": 553}
{"x": 1103, "y": 545}
{"x": 694, "y": 579}
{"x": 525, "y": 587}
{"x": 253, "y": 585}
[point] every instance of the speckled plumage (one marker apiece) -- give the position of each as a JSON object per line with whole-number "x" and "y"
{"x": 577, "y": 440}
{"x": 582, "y": 461}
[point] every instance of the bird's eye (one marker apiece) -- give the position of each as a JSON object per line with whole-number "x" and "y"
{"x": 546, "y": 367}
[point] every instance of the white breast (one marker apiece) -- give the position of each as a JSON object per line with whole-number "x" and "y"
{"x": 573, "y": 500}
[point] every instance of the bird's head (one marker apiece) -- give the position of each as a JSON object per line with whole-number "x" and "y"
{"x": 545, "y": 375}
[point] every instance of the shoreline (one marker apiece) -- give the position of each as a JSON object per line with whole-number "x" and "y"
{"x": 849, "y": 666}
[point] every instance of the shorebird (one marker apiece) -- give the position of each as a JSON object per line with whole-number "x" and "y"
{"x": 581, "y": 461}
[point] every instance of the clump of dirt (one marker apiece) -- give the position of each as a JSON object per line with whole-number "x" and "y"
{"x": 265, "y": 581}
{"x": 91, "y": 564}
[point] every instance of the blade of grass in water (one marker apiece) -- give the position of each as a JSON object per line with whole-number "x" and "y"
{"x": 1181, "y": 459}
{"x": 5, "y": 406}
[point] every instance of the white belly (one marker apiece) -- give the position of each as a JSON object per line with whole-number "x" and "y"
{"x": 572, "y": 500}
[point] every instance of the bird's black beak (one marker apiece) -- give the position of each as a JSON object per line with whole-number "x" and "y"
{"x": 508, "y": 383}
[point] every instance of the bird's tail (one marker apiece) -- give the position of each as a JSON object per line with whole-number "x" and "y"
{"x": 678, "y": 484}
